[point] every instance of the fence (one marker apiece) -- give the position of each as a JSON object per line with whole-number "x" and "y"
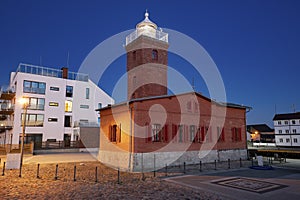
{"x": 58, "y": 145}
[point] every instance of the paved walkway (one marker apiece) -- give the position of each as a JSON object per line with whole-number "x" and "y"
{"x": 247, "y": 183}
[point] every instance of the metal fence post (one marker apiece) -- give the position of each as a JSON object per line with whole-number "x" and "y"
{"x": 228, "y": 163}
{"x": 3, "y": 170}
{"x": 96, "y": 175}
{"x": 74, "y": 173}
{"x": 200, "y": 166}
{"x": 166, "y": 170}
{"x": 38, "y": 171}
{"x": 184, "y": 167}
{"x": 215, "y": 164}
{"x": 56, "y": 171}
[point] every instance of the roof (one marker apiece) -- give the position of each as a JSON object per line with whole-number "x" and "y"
{"x": 260, "y": 128}
{"x": 232, "y": 105}
{"x": 287, "y": 116}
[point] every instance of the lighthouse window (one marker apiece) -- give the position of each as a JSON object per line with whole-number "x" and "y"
{"x": 154, "y": 54}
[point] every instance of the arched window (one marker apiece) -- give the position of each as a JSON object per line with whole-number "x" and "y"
{"x": 154, "y": 55}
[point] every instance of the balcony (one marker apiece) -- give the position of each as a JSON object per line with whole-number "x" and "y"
{"x": 155, "y": 34}
{"x": 6, "y": 125}
{"x": 7, "y": 93}
{"x": 6, "y": 108}
{"x": 86, "y": 124}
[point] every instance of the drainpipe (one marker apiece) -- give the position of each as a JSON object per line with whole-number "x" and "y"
{"x": 130, "y": 140}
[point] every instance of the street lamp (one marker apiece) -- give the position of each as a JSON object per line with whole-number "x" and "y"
{"x": 25, "y": 103}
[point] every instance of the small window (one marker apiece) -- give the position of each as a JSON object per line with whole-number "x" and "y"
{"x": 113, "y": 134}
{"x": 287, "y": 139}
{"x": 156, "y": 132}
{"x": 99, "y": 105}
{"x": 294, "y": 131}
{"x": 154, "y": 55}
{"x": 279, "y": 122}
{"x": 295, "y": 140}
{"x": 280, "y": 131}
{"x": 68, "y": 121}
{"x": 68, "y": 106}
{"x": 84, "y": 106}
{"x": 189, "y": 106}
{"x": 180, "y": 127}
{"x": 134, "y": 55}
{"x": 281, "y": 140}
{"x": 55, "y": 104}
{"x": 287, "y": 131}
{"x": 52, "y": 119}
{"x": 286, "y": 122}
{"x": 87, "y": 93}
{"x": 293, "y": 122}
{"x": 54, "y": 88}
{"x": 69, "y": 91}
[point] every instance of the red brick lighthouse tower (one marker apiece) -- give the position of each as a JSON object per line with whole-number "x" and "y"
{"x": 147, "y": 60}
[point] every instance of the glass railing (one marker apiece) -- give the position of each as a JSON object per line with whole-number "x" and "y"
{"x": 45, "y": 71}
{"x": 156, "y": 34}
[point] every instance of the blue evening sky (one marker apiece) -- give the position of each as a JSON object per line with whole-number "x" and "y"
{"x": 254, "y": 43}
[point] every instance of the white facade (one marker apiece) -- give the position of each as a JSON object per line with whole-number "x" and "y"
{"x": 287, "y": 129}
{"x": 52, "y": 113}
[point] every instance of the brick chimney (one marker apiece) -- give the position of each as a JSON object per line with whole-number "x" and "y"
{"x": 64, "y": 72}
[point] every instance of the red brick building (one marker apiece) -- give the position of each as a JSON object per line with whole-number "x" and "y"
{"x": 169, "y": 129}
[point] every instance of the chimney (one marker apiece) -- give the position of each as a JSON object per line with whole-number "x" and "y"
{"x": 64, "y": 72}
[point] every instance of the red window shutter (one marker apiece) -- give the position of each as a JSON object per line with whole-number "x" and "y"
{"x": 174, "y": 132}
{"x": 166, "y": 133}
{"x": 149, "y": 133}
{"x": 223, "y": 135}
{"x": 119, "y": 134}
{"x": 233, "y": 134}
{"x": 240, "y": 134}
{"x": 202, "y": 134}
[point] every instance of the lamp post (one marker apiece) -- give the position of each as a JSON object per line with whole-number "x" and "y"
{"x": 25, "y": 103}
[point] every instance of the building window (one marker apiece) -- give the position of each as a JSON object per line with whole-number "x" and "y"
{"x": 54, "y": 88}
{"x": 221, "y": 136}
{"x": 113, "y": 134}
{"x": 287, "y": 131}
{"x": 68, "y": 106}
{"x": 180, "y": 139}
{"x": 281, "y": 140}
{"x": 279, "y": 122}
{"x": 236, "y": 134}
{"x": 36, "y": 103}
{"x": 69, "y": 91}
{"x": 286, "y": 122}
{"x": 295, "y": 140}
{"x": 156, "y": 132}
{"x": 87, "y": 93}
{"x": 99, "y": 105}
{"x": 134, "y": 55}
{"x": 34, "y": 120}
{"x": 34, "y": 87}
{"x": 84, "y": 106}
{"x": 293, "y": 122}
{"x": 196, "y": 107}
{"x": 294, "y": 131}
{"x": 189, "y": 106}
{"x": 52, "y": 119}
{"x": 192, "y": 133}
{"x": 68, "y": 121}
{"x": 279, "y": 131}
{"x": 154, "y": 54}
{"x": 287, "y": 140}
{"x": 53, "y": 104}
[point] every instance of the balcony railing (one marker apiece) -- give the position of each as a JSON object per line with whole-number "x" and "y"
{"x": 45, "y": 71}
{"x": 7, "y": 107}
{"x": 86, "y": 124}
{"x": 6, "y": 123}
{"x": 156, "y": 34}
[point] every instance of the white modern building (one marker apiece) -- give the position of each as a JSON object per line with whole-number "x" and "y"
{"x": 287, "y": 129}
{"x": 59, "y": 102}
